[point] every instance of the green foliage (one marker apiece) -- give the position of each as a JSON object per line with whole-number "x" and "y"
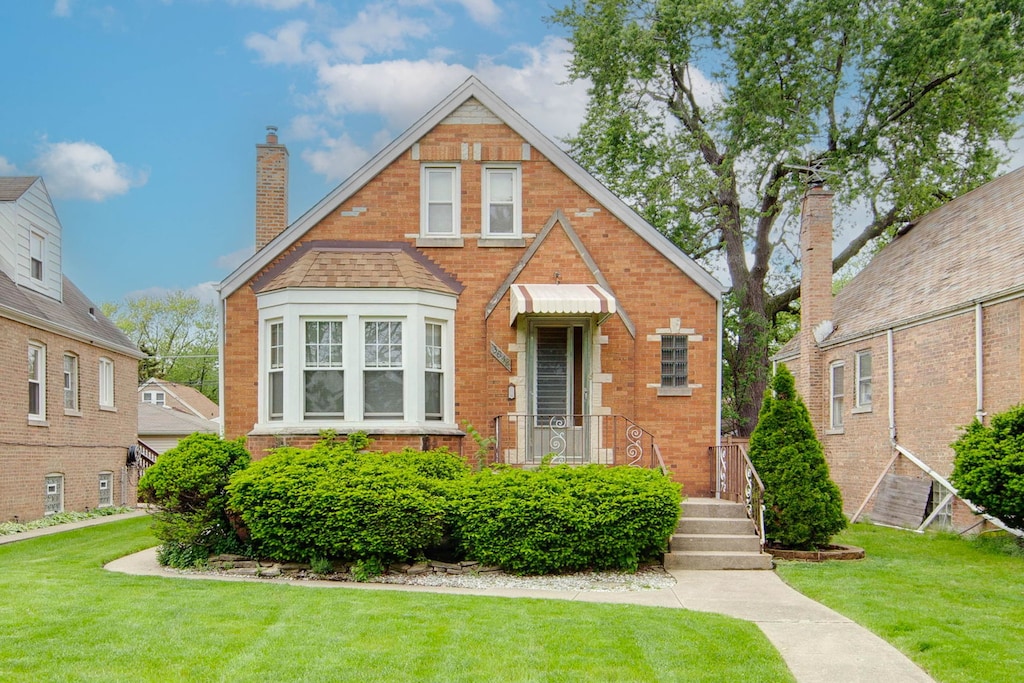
{"x": 803, "y": 506}
{"x": 59, "y": 518}
{"x": 988, "y": 468}
{"x": 484, "y": 444}
{"x": 366, "y": 569}
{"x": 334, "y": 501}
{"x": 321, "y": 566}
{"x": 563, "y": 518}
{"x": 702, "y": 115}
{"x": 187, "y": 484}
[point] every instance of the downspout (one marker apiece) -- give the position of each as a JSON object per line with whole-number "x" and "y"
{"x": 979, "y": 363}
{"x": 718, "y": 394}
{"x": 892, "y": 388}
{"x": 220, "y": 358}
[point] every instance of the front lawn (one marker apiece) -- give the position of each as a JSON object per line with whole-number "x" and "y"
{"x": 954, "y": 606}
{"x": 66, "y": 619}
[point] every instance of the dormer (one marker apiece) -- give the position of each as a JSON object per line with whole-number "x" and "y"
{"x": 30, "y": 236}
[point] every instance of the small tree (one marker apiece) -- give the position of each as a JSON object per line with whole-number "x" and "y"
{"x": 988, "y": 468}
{"x": 803, "y": 506}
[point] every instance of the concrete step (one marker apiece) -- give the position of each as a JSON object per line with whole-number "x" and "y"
{"x": 712, "y": 507}
{"x": 715, "y": 525}
{"x": 749, "y": 543}
{"x": 694, "y": 559}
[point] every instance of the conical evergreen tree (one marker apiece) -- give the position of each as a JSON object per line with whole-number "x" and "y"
{"x": 803, "y": 506}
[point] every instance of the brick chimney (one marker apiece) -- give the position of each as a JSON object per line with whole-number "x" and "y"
{"x": 816, "y": 324}
{"x": 271, "y": 189}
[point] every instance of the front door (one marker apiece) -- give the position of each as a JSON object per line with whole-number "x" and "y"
{"x": 560, "y": 398}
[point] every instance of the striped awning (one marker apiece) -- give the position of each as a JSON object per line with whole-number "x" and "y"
{"x": 560, "y": 300}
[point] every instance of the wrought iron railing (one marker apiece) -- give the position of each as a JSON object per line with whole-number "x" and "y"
{"x": 736, "y": 479}
{"x": 524, "y": 439}
{"x": 144, "y": 456}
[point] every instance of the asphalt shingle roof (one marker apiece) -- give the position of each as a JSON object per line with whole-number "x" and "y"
{"x": 12, "y": 187}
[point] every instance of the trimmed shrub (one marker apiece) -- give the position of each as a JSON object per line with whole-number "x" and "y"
{"x": 803, "y": 506}
{"x": 187, "y": 485}
{"x": 562, "y": 518}
{"x": 334, "y": 501}
{"x": 988, "y": 468}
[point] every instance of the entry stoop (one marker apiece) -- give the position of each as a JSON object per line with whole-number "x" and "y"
{"x": 715, "y": 534}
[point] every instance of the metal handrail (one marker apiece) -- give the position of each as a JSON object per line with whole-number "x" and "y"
{"x": 737, "y": 479}
{"x": 531, "y": 439}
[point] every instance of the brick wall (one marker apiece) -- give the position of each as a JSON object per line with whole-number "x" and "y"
{"x": 647, "y": 285}
{"x": 78, "y": 445}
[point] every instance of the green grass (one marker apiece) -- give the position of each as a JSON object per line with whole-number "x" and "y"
{"x": 954, "y": 606}
{"x": 66, "y": 619}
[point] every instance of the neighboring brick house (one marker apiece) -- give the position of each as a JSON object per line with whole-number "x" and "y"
{"x": 69, "y": 375}
{"x": 921, "y": 341}
{"x": 471, "y": 274}
{"x": 168, "y": 412}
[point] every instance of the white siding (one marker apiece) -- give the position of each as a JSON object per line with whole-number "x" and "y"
{"x": 8, "y": 237}
{"x": 36, "y": 213}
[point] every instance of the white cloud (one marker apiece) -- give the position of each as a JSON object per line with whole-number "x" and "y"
{"x": 236, "y": 258}
{"x": 206, "y": 292}
{"x": 337, "y": 158}
{"x": 275, "y": 4}
{"x": 7, "y": 168}
{"x": 482, "y": 11}
{"x": 287, "y": 45}
{"x": 84, "y": 170}
{"x": 62, "y": 8}
{"x": 376, "y": 30}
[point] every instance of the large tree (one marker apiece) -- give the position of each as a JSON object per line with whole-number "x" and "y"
{"x": 706, "y": 115}
{"x": 177, "y": 331}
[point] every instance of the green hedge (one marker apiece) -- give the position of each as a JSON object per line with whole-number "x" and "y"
{"x": 988, "y": 468}
{"x": 563, "y": 518}
{"x": 336, "y": 501}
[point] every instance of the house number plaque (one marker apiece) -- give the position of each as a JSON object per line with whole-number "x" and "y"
{"x": 501, "y": 357}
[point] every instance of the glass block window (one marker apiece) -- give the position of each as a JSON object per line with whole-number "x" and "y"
{"x": 383, "y": 377}
{"x": 674, "y": 360}
{"x": 433, "y": 379}
{"x": 323, "y": 374}
{"x": 106, "y": 489}
{"x": 54, "y": 500}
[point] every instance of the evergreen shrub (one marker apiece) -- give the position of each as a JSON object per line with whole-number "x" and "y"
{"x": 187, "y": 485}
{"x": 563, "y": 518}
{"x": 335, "y": 500}
{"x": 803, "y": 506}
{"x": 988, "y": 468}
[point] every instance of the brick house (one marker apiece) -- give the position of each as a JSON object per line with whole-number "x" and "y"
{"x": 69, "y": 373}
{"x": 169, "y": 411}
{"x": 471, "y": 274}
{"x": 919, "y": 343}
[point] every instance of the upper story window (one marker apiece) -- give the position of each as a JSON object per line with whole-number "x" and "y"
{"x": 674, "y": 360}
{"x": 106, "y": 383}
{"x": 836, "y": 373}
{"x": 502, "y": 202}
{"x": 36, "y": 251}
{"x": 36, "y": 381}
{"x": 323, "y": 373}
{"x": 439, "y": 201}
{"x": 157, "y": 398}
{"x": 70, "y": 382}
{"x": 864, "y": 380}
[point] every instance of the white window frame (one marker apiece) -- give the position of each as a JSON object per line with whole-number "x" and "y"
{"x": 106, "y": 383}
{"x": 836, "y": 403}
{"x": 332, "y": 364}
{"x": 275, "y": 366}
{"x": 516, "y": 201}
{"x": 376, "y": 366}
{"x": 863, "y": 380}
{"x": 106, "y": 489}
{"x": 70, "y": 383}
{"x": 433, "y": 364}
{"x": 38, "y": 381}
{"x": 157, "y": 398}
{"x": 36, "y": 254}
{"x": 53, "y": 486}
{"x": 428, "y": 173}
{"x": 291, "y": 308}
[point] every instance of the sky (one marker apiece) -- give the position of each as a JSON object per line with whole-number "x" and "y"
{"x": 142, "y": 116}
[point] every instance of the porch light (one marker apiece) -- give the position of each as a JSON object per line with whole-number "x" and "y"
{"x": 511, "y": 391}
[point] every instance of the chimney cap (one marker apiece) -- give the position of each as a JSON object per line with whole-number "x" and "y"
{"x": 271, "y": 135}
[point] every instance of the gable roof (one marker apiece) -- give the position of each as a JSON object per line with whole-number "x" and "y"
{"x": 190, "y": 397}
{"x": 168, "y": 421}
{"x": 966, "y": 251}
{"x": 11, "y": 188}
{"x": 76, "y": 316}
{"x": 472, "y": 88}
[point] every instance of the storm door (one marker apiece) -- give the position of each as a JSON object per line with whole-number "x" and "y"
{"x": 560, "y": 400}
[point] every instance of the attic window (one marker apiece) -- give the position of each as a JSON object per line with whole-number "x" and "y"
{"x": 36, "y": 256}
{"x": 157, "y": 398}
{"x": 439, "y": 201}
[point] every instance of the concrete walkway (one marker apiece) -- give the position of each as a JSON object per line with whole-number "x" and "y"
{"x": 818, "y": 644}
{"x": 57, "y": 528}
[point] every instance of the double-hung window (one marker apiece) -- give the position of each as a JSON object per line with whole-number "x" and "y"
{"x": 502, "y": 201}
{"x": 864, "y": 380}
{"x": 106, "y": 378}
{"x": 323, "y": 373}
{"x": 36, "y": 382}
{"x": 275, "y": 372}
{"x": 383, "y": 370}
{"x": 433, "y": 372}
{"x": 157, "y": 398}
{"x": 36, "y": 250}
{"x": 70, "y": 382}
{"x": 836, "y": 373}
{"x": 439, "y": 201}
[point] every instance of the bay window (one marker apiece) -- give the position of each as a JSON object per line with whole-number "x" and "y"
{"x": 433, "y": 368}
{"x": 323, "y": 373}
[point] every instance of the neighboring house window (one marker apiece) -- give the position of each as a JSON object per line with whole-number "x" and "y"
{"x": 54, "y": 500}
{"x": 36, "y": 250}
{"x": 440, "y": 210}
{"x": 501, "y": 201}
{"x": 157, "y": 398}
{"x": 106, "y": 383}
{"x": 864, "y": 380}
{"x": 433, "y": 379}
{"x": 70, "y": 382}
{"x": 106, "y": 489}
{"x": 275, "y": 372}
{"x": 674, "y": 361}
{"x": 37, "y": 381}
{"x": 837, "y": 391}
{"x": 383, "y": 377}
{"x": 323, "y": 374}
